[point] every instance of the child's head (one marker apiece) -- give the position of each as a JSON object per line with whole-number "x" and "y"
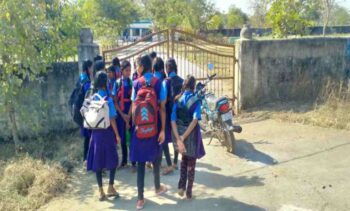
{"x": 99, "y": 66}
{"x": 158, "y": 65}
{"x": 87, "y": 67}
{"x": 153, "y": 55}
{"x": 111, "y": 72}
{"x": 171, "y": 66}
{"x": 145, "y": 65}
{"x": 98, "y": 58}
{"x": 126, "y": 69}
{"x": 137, "y": 65}
{"x": 101, "y": 80}
{"x": 189, "y": 83}
{"x": 116, "y": 62}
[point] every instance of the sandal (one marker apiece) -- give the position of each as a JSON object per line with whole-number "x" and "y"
{"x": 140, "y": 204}
{"x": 102, "y": 195}
{"x": 111, "y": 192}
{"x": 167, "y": 171}
{"x": 181, "y": 192}
{"x": 161, "y": 190}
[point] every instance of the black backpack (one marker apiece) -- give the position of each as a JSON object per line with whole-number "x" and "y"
{"x": 76, "y": 101}
{"x": 175, "y": 86}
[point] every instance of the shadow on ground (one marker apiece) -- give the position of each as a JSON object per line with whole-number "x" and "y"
{"x": 247, "y": 151}
{"x": 196, "y": 204}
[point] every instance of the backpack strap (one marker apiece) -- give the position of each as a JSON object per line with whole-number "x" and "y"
{"x": 144, "y": 83}
{"x": 194, "y": 99}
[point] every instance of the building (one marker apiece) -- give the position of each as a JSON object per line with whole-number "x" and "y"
{"x": 137, "y": 30}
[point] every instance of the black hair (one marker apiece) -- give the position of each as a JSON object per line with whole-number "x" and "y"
{"x": 189, "y": 84}
{"x": 171, "y": 65}
{"x": 116, "y": 62}
{"x": 87, "y": 64}
{"x": 158, "y": 65}
{"x": 98, "y": 58}
{"x": 111, "y": 68}
{"x": 146, "y": 63}
{"x": 153, "y": 55}
{"x": 125, "y": 64}
{"x": 101, "y": 79}
{"x": 99, "y": 65}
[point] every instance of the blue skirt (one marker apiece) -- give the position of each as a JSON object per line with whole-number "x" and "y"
{"x": 102, "y": 150}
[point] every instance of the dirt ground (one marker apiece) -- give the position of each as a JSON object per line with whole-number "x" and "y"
{"x": 279, "y": 166}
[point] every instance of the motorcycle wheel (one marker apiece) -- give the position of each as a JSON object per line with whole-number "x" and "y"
{"x": 230, "y": 141}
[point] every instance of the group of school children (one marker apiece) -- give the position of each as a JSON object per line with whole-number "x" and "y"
{"x": 123, "y": 91}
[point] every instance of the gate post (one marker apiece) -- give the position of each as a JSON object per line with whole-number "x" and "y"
{"x": 172, "y": 35}
{"x": 86, "y": 48}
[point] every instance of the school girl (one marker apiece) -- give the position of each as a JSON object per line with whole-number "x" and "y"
{"x": 85, "y": 81}
{"x": 159, "y": 72}
{"x": 174, "y": 85}
{"x": 144, "y": 150}
{"x": 184, "y": 121}
{"x": 111, "y": 78}
{"x": 103, "y": 150}
{"x": 116, "y": 66}
{"x": 122, "y": 99}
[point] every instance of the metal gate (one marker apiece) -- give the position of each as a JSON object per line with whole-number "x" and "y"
{"x": 193, "y": 53}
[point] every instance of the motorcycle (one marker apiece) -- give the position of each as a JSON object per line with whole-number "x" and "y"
{"x": 217, "y": 116}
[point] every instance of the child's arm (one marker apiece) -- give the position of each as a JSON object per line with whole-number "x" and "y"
{"x": 115, "y": 129}
{"x": 180, "y": 145}
{"x": 189, "y": 129}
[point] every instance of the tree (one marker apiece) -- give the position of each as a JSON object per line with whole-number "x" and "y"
{"x": 108, "y": 18}
{"x": 236, "y": 17}
{"x": 260, "y": 9}
{"x": 216, "y": 21}
{"x": 32, "y": 36}
{"x": 327, "y": 9}
{"x": 288, "y": 17}
{"x": 340, "y": 16}
{"x": 187, "y": 14}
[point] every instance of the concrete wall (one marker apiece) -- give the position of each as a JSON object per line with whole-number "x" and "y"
{"x": 43, "y": 106}
{"x": 291, "y": 69}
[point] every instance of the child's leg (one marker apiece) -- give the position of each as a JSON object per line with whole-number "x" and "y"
{"x": 140, "y": 179}
{"x": 86, "y": 147}
{"x": 124, "y": 154}
{"x": 111, "y": 176}
{"x": 176, "y": 156}
{"x": 167, "y": 154}
{"x": 191, "y": 167}
{"x": 156, "y": 171}
{"x": 99, "y": 178}
{"x": 183, "y": 174}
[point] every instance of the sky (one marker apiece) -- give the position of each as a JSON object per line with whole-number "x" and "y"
{"x": 223, "y": 5}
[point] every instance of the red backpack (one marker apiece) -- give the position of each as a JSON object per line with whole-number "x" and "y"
{"x": 145, "y": 110}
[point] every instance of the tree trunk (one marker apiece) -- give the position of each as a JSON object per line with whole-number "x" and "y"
{"x": 14, "y": 130}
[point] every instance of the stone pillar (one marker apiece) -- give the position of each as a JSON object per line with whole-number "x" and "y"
{"x": 86, "y": 48}
{"x": 244, "y": 75}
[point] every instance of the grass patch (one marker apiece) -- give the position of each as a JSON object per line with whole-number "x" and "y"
{"x": 331, "y": 110}
{"x": 27, "y": 184}
{"x": 28, "y": 180}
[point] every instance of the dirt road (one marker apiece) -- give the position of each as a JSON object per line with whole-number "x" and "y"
{"x": 279, "y": 166}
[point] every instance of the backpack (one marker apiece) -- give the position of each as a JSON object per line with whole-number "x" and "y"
{"x": 145, "y": 110}
{"x": 95, "y": 112}
{"x": 184, "y": 119}
{"x": 122, "y": 100}
{"x": 76, "y": 101}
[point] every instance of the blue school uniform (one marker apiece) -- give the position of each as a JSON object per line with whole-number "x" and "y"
{"x": 195, "y": 112}
{"x": 164, "y": 86}
{"x": 143, "y": 150}
{"x": 103, "y": 150}
{"x": 85, "y": 81}
{"x": 125, "y": 82}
